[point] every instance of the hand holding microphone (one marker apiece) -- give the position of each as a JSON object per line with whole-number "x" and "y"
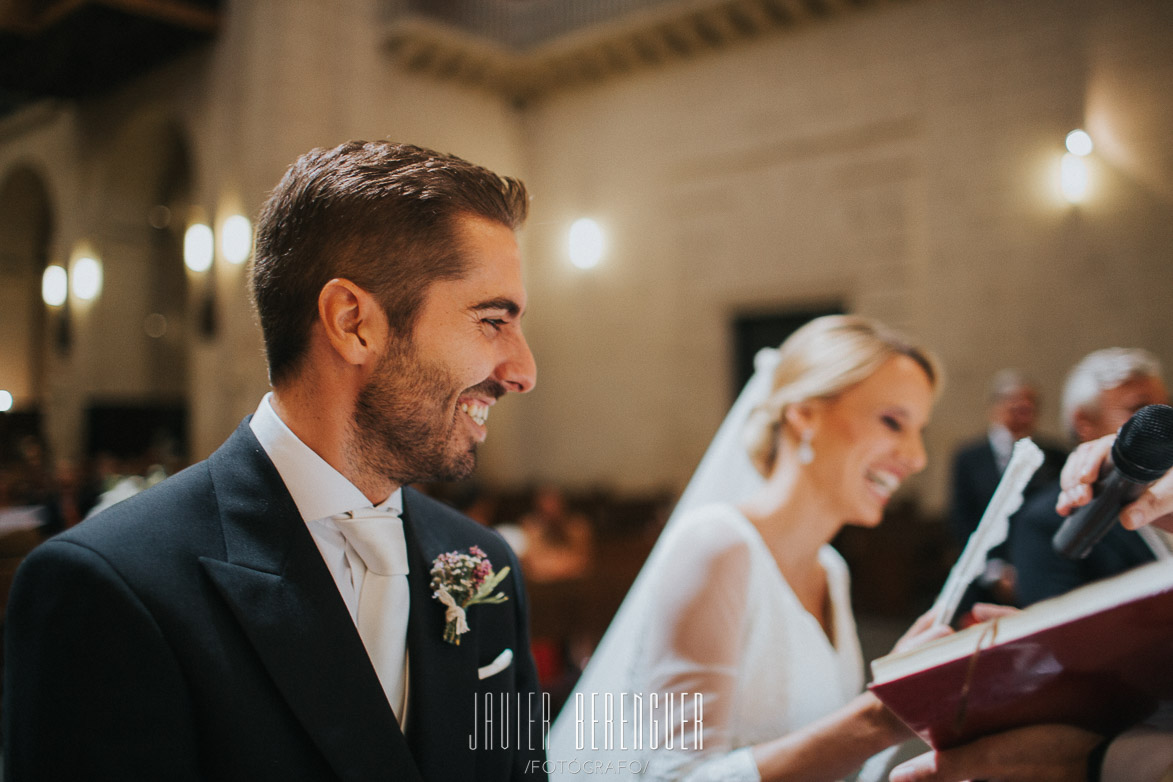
{"x": 1128, "y": 471}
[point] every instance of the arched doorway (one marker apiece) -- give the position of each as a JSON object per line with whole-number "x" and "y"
{"x": 26, "y": 228}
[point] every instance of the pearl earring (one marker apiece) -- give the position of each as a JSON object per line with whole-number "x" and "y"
{"x": 806, "y": 454}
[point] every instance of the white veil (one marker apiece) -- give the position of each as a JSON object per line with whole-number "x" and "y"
{"x": 725, "y": 474}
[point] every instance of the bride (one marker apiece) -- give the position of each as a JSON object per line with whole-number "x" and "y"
{"x": 735, "y": 655}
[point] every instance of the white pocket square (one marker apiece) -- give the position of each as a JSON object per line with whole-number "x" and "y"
{"x": 501, "y": 663}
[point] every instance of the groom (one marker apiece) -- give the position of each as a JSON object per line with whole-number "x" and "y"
{"x": 231, "y": 623}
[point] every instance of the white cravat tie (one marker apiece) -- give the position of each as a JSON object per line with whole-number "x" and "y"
{"x": 376, "y": 537}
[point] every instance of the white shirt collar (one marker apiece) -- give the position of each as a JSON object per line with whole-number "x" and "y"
{"x": 318, "y": 490}
{"x": 1002, "y": 443}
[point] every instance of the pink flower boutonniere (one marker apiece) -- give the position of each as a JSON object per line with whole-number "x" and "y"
{"x": 463, "y": 580}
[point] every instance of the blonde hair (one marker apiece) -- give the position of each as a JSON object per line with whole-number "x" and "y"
{"x": 819, "y": 361}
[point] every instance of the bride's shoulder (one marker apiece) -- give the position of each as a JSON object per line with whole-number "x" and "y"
{"x": 714, "y": 533}
{"x": 718, "y": 519}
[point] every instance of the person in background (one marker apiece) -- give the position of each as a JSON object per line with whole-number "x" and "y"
{"x": 1101, "y": 392}
{"x": 1013, "y": 414}
{"x": 70, "y": 498}
{"x": 559, "y": 541}
{"x": 556, "y": 551}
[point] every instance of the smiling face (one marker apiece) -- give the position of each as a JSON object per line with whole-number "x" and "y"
{"x": 868, "y": 439}
{"x": 423, "y": 411}
{"x": 1018, "y": 411}
{"x": 1115, "y": 406}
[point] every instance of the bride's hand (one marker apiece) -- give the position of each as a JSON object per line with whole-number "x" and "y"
{"x": 983, "y": 612}
{"x": 923, "y": 630}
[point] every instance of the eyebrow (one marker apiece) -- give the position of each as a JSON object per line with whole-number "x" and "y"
{"x": 509, "y": 305}
{"x": 899, "y": 411}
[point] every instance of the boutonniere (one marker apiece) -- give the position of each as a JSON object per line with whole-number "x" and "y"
{"x": 463, "y": 580}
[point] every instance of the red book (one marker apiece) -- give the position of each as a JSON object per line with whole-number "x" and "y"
{"x": 1099, "y": 657}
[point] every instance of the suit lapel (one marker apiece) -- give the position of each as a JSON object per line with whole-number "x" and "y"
{"x": 443, "y": 675}
{"x": 282, "y": 594}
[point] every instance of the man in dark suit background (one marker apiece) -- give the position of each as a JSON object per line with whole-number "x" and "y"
{"x": 1101, "y": 392}
{"x": 218, "y": 625}
{"x": 978, "y": 466}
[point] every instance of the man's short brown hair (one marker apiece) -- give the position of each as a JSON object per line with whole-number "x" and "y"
{"x": 379, "y": 214}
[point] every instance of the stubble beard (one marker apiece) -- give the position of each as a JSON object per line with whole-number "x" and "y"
{"x": 405, "y": 419}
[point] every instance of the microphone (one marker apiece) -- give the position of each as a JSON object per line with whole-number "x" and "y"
{"x": 1142, "y": 453}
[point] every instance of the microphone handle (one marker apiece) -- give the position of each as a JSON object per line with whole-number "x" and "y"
{"x": 1088, "y": 525}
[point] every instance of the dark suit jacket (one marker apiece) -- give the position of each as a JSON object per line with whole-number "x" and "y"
{"x": 1043, "y": 573}
{"x": 194, "y": 632}
{"x": 976, "y": 476}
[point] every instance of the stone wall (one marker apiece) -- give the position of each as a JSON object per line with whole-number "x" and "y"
{"x": 899, "y": 160}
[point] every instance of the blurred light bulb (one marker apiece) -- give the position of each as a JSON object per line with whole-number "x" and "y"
{"x": 54, "y": 285}
{"x": 236, "y": 238}
{"x": 1079, "y": 143}
{"x": 1073, "y": 178}
{"x": 586, "y": 243}
{"x": 5, "y": 401}
{"x": 87, "y": 278}
{"x": 198, "y": 247}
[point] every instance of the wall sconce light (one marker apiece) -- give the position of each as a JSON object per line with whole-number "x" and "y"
{"x": 198, "y": 247}
{"x": 5, "y": 401}
{"x": 1073, "y": 172}
{"x": 86, "y": 278}
{"x": 1073, "y": 179}
{"x": 586, "y": 243}
{"x": 55, "y": 294}
{"x": 54, "y": 285}
{"x": 1079, "y": 143}
{"x": 236, "y": 239}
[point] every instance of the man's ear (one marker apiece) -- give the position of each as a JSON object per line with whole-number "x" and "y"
{"x": 354, "y": 323}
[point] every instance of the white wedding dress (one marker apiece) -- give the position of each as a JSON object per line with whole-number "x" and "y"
{"x": 717, "y": 618}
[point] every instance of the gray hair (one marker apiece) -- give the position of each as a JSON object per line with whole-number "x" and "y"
{"x": 1101, "y": 371}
